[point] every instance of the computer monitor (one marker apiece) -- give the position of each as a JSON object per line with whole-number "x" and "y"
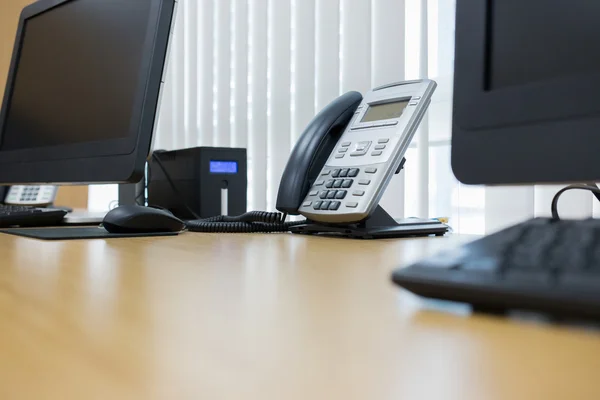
{"x": 83, "y": 89}
{"x": 527, "y": 91}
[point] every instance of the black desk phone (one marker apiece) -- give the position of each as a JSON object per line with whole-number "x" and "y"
{"x": 341, "y": 166}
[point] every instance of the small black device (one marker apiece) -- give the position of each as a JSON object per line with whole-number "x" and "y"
{"x": 210, "y": 181}
{"x": 29, "y": 216}
{"x": 83, "y": 89}
{"x": 526, "y": 110}
{"x": 140, "y": 219}
{"x": 542, "y": 265}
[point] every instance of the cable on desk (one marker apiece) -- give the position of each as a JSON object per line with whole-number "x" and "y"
{"x": 250, "y": 222}
{"x": 592, "y": 187}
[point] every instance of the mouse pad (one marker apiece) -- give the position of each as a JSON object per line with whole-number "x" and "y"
{"x": 65, "y": 233}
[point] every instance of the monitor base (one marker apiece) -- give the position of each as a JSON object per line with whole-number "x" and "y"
{"x": 83, "y": 217}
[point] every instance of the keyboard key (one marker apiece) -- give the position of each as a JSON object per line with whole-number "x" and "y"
{"x": 307, "y": 204}
{"x": 581, "y": 282}
{"x": 346, "y": 144}
{"x": 358, "y": 193}
{"x": 325, "y": 205}
{"x": 383, "y": 141}
{"x": 352, "y": 205}
{"x": 331, "y": 194}
{"x": 341, "y": 194}
{"x": 376, "y": 153}
{"x": 323, "y": 194}
{"x": 335, "y": 173}
{"x": 344, "y": 173}
{"x": 334, "y": 205}
{"x": 338, "y": 183}
{"x": 329, "y": 184}
{"x": 370, "y": 170}
{"x": 364, "y": 182}
{"x": 352, "y": 173}
{"x": 317, "y": 205}
{"x": 347, "y": 183}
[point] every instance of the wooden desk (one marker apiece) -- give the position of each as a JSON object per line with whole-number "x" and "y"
{"x": 261, "y": 317}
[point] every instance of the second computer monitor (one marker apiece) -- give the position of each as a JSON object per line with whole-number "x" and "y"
{"x": 526, "y": 103}
{"x": 83, "y": 90}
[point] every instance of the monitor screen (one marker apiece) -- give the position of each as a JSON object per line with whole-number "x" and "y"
{"x": 517, "y": 34}
{"x": 77, "y": 74}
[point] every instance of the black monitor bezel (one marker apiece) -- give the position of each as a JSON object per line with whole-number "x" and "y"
{"x": 540, "y": 132}
{"x": 116, "y": 160}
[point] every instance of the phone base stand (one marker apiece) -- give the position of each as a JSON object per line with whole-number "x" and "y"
{"x": 379, "y": 226}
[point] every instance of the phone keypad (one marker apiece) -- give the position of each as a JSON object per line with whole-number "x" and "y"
{"x": 335, "y": 191}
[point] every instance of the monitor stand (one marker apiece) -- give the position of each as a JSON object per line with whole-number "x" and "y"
{"x": 84, "y": 217}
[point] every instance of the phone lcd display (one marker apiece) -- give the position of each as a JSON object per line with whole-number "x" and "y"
{"x": 385, "y": 111}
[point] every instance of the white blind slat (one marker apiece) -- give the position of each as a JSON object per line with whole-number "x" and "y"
{"x": 355, "y": 45}
{"x": 279, "y": 69}
{"x": 190, "y": 76}
{"x": 205, "y": 71}
{"x": 177, "y": 133}
{"x": 223, "y": 72}
{"x": 422, "y": 136}
{"x": 327, "y": 50}
{"x": 257, "y": 160}
{"x": 303, "y": 73}
{"x": 240, "y": 75}
{"x": 387, "y": 65}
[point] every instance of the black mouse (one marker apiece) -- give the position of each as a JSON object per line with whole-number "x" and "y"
{"x": 139, "y": 219}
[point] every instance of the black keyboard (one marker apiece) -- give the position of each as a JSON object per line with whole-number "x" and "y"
{"x": 29, "y": 216}
{"x": 541, "y": 265}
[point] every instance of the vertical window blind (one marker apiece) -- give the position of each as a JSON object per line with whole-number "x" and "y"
{"x": 252, "y": 74}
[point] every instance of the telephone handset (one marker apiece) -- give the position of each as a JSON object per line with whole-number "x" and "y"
{"x": 342, "y": 163}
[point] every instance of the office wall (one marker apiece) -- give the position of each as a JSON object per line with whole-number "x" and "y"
{"x": 76, "y": 196}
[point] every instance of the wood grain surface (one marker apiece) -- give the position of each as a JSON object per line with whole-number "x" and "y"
{"x": 278, "y": 316}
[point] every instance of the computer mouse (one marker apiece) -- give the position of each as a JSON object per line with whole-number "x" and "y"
{"x": 140, "y": 219}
